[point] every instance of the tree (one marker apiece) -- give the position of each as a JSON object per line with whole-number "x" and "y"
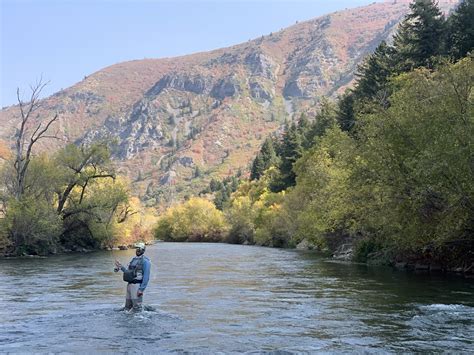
{"x": 264, "y": 159}
{"x": 291, "y": 150}
{"x": 461, "y": 29}
{"x": 82, "y": 165}
{"x": 304, "y": 127}
{"x": 325, "y": 119}
{"x": 420, "y": 36}
{"x": 417, "y": 170}
{"x": 194, "y": 220}
{"x": 373, "y": 75}
{"x": 345, "y": 112}
{"x": 25, "y": 141}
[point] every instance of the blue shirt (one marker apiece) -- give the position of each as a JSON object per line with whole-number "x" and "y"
{"x": 146, "y": 270}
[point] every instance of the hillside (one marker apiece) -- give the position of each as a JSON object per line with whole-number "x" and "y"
{"x": 180, "y": 121}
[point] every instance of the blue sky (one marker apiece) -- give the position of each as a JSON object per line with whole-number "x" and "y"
{"x": 64, "y": 40}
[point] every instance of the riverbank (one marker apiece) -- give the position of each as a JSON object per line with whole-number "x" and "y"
{"x": 456, "y": 257}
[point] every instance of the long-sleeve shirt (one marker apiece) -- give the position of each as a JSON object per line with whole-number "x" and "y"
{"x": 146, "y": 270}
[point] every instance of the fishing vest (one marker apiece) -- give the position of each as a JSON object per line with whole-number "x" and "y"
{"x": 134, "y": 273}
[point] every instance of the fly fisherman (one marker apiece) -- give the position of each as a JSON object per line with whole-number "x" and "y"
{"x": 136, "y": 274}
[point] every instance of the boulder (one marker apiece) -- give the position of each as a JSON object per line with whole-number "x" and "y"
{"x": 344, "y": 252}
{"x": 305, "y": 245}
{"x": 422, "y": 267}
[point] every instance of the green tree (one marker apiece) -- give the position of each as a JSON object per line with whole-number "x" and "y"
{"x": 420, "y": 37}
{"x": 346, "y": 117}
{"x": 291, "y": 149}
{"x": 325, "y": 118}
{"x": 373, "y": 75}
{"x": 265, "y": 158}
{"x": 417, "y": 155}
{"x": 461, "y": 30}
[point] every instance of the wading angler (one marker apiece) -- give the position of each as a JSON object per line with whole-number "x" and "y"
{"x": 136, "y": 275}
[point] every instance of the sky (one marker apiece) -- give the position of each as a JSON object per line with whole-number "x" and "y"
{"x": 61, "y": 41}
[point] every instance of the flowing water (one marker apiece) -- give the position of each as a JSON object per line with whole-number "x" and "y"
{"x": 229, "y": 298}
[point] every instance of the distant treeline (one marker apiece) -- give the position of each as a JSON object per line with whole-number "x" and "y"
{"x": 389, "y": 167}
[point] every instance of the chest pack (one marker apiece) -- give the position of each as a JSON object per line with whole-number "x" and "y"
{"x": 134, "y": 273}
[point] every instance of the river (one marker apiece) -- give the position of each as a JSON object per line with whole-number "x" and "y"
{"x": 231, "y": 298}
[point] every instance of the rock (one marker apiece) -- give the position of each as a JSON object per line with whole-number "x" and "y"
{"x": 261, "y": 65}
{"x": 422, "y": 267}
{"x": 186, "y": 161}
{"x": 344, "y": 252}
{"x": 435, "y": 268}
{"x": 180, "y": 81}
{"x": 122, "y": 247}
{"x": 225, "y": 88}
{"x": 292, "y": 89}
{"x": 305, "y": 245}
{"x": 259, "y": 93}
{"x": 400, "y": 265}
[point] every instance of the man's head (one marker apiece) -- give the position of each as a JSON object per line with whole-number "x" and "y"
{"x": 139, "y": 248}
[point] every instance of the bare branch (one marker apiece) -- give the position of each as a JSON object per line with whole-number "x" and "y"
{"x": 23, "y": 157}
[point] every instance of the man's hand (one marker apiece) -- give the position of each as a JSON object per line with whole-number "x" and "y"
{"x": 117, "y": 264}
{"x": 139, "y": 293}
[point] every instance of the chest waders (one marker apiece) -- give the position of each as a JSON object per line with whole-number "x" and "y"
{"x": 134, "y": 274}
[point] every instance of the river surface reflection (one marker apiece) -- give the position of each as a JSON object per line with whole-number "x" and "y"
{"x": 230, "y": 298}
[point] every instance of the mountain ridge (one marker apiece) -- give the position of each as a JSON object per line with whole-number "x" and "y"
{"x": 207, "y": 113}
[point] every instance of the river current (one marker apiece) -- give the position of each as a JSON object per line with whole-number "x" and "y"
{"x": 232, "y": 299}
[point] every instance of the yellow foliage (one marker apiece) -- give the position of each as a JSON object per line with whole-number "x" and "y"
{"x": 194, "y": 220}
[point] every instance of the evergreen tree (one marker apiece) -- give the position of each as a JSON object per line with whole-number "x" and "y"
{"x": 264, "y": 159}
{"x": 215, "y": 185}
{"x": 304, "y": 128}
{"x": 291, "y": 151}
{"x": 461, "y": 28}
{"x": 345, "y": 112}
{"x": 325, "y": 118}
{"x": 258, "y": 167}
{"x": 374, "y": 73}
{"x": 420, "y": 36}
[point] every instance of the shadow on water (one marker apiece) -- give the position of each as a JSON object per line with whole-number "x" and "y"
{"x": 215, "y": 297}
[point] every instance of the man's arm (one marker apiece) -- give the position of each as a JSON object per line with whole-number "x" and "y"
{"x": 146, "y": 274}
{"x": 119, "y": 266}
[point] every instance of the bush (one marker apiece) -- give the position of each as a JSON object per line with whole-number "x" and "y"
{"x": 196, "y": 220}
{"x": 33, "y": 226}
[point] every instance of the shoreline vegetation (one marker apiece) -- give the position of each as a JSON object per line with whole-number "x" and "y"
{"x": 384, "y": 175}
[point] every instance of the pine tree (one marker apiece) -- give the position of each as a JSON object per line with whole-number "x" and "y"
{"x": 292, "y": 150}
{"x": 264, "y": 159}
{"x": 345, "y": 111}
{"x": 420, "y": 36}
{"x": 374, "y": 73}
{"x": 258, "y": 167}
{"x": 325, "y": 118}
{"x": 461, "y": 28}
{"x": 304, "y": 127}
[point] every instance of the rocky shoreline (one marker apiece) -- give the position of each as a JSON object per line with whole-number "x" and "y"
{"x": 424, "y": 261}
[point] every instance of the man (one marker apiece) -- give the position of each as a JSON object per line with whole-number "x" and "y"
{"x": 136, "y": 275}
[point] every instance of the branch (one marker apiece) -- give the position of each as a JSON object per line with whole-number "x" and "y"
{"x": 125, "y": 214}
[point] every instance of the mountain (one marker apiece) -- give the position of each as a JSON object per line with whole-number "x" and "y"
{"x": 178, "y": 122}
